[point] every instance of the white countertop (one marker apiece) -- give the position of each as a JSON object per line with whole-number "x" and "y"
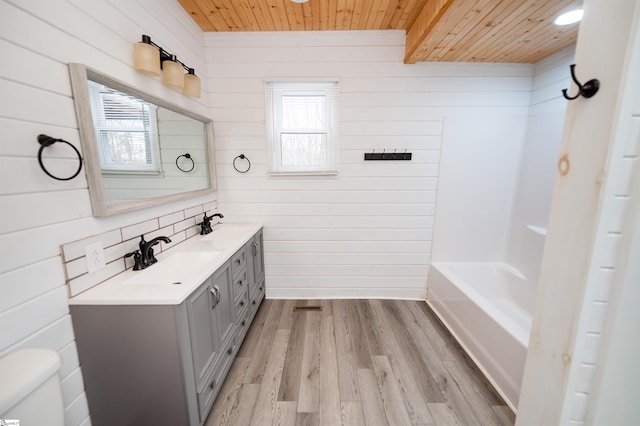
{"x": 177, "y": 274}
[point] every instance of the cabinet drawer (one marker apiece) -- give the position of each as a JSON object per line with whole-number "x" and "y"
{"x": 215, "y": 378}
{"x": 243, "y": 324}
{"x": 209, "y": 390}
{"x": 240, "y": 284}
{"x": 256, "y": 299}
{"x": 238, "y": 262}
{"x": 242, "y": 302}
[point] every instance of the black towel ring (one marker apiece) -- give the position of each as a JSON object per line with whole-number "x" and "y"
{"x": 46, "y": 141}
{"x": 188, "y": 157}
{"x": 242, "y": 157}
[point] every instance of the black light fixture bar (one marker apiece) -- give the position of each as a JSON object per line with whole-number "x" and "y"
{"x": 166, "y": 56}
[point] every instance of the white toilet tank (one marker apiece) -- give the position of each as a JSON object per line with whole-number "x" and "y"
{"x": 30, "y": 388}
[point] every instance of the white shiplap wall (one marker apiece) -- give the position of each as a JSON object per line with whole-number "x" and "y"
{"x": 38, "y": 214}
{"x": 368, "y": 232}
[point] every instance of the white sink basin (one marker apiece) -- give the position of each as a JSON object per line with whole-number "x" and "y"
{"x": 175, "y": 269}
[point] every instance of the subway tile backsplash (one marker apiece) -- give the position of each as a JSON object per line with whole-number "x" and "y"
{"x": 179, "y": 226}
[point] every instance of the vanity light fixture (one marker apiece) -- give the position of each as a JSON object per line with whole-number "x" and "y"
{"x": 149, "y": 59}
{"x": 570, "y": 17}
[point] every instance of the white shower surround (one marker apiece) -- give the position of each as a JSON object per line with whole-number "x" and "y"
{"x": 490, "y": 226}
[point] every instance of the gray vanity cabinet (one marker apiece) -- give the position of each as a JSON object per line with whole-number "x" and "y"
{"x": 165, "y": 364}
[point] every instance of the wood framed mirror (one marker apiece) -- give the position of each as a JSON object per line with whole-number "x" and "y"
{"x": 139, "y": 150}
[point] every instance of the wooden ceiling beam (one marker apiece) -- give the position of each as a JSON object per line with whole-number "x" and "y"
{"x": 430, "y": 14}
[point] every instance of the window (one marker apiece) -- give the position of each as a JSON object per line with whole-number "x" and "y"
{"x": 302, "y": 127}
{"x": 126, "y": 131}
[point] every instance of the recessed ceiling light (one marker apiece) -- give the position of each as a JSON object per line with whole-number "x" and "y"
{"x": 299, "y": 1}
{"x": 570, "y": 17}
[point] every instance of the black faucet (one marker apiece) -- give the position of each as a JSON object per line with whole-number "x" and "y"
{"x": 146, "y": 251}
{"x": 205, "y": 225}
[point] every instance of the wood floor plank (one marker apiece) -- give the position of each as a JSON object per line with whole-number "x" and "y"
{"x": 443, "y": 415}
{"x": 241, "y": 414}
{"x": 476, "y": 399}
{"x": 265, "y": 405}
{"x": 361, "y": 353}
{"x": 372, "y": 406}
{"x": 504, "y": 413}
{"x": 347, "y": 379}
{"x": 453, "y": 395}
{"x": 329, "y": 409}
{"x": 227, "y": 399}
{"x": 327, "y": 307}
{"x": 263, "y": 346}
{"x": 395, "y": 331}
{"x": 286, "y": 314}
{"x": 290, "y": 383}
{"x": 372, "y": 334}
{"x": 309, "y": 394}
{"x": 439, "y": 338}
{"x": 286, "y": 413}
{"x": 415, "y": 404}
{"x": 307, "y": 419}
{"x": 391, "y": 397}
{"x": 351, "y": 414}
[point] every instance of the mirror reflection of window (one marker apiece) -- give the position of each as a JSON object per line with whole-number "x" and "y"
{"x": 126, "y": 130}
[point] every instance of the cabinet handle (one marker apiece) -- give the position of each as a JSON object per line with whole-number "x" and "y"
{"x": 217, "y": 294}
{"x": 255, "y": 248}
{"x": 243, "y": 323}
{"x": 253, "y": 302}
{"x": 239, "y": 282}
{"x": 212, "y": 290}
{"x": 260, "y": 288}
{"x": 242, "y": 303}
{"x": 231, "y": 349}
{"x": 212, "y": 384}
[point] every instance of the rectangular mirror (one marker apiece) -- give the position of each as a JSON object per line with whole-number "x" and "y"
{"x": 139, "y": 150}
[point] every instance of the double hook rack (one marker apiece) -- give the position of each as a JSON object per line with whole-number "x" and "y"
{"x": 587, "y": 90}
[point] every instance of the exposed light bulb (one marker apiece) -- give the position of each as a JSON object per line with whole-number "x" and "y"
{"x": 570, "y": 17}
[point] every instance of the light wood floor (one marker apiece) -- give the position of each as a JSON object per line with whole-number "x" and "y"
{"x": 358, "y": 362}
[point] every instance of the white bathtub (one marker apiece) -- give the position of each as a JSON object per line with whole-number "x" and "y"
{"x": 488, "y": 308}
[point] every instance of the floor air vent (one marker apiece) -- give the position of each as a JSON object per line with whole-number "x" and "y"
{"x": 312, "y": 308}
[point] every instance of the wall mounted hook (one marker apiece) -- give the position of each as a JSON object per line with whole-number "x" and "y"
{"x": 587, "y": 90}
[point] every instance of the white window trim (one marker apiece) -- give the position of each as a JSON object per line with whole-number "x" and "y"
{"x": 278, "y": 88}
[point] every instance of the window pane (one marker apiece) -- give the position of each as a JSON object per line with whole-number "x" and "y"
{"x": 303, "y": 151}
{"x": 126, "y": 148}
{"x": 303, "y": 112}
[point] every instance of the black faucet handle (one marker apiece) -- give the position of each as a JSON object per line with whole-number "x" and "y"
{"x": 137, "y": 260}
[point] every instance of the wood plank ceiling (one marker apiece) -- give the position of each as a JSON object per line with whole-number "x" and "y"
{"x": 520, "y": 31}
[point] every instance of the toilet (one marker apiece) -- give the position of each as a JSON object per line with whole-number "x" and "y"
{"x": 30, "y": 388}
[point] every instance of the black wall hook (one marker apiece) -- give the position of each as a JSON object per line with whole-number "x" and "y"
{"x": 587, "y": 90}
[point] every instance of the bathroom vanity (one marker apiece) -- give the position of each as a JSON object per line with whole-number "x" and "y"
{"x": 155, "y": 345}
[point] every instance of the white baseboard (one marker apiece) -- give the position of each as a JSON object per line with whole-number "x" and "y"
{"x": 347, "y": 293}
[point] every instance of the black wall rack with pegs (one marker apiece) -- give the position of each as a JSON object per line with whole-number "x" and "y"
{"x": 374, "y": 156}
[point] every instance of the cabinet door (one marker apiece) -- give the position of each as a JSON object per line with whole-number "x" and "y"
{"x": 224, "y": 309}
{"x": 202, "y": 329}
{"x": 258, "y": 257}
